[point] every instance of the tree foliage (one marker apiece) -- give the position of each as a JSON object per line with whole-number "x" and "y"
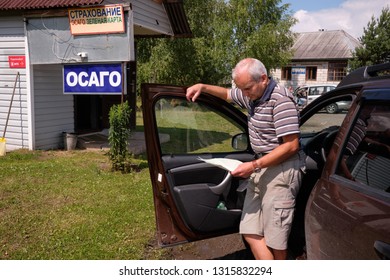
{"x": 224, "y": 32}
{"x": 259, "y": 29}
{"x": 375, "y": 42}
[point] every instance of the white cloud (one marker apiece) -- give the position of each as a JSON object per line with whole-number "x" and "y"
{"x": 351, "y": 16}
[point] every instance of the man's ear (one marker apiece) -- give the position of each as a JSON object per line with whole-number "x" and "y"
{"x": 264, "y": 78}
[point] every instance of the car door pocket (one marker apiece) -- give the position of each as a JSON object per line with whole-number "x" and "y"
{"x": 197, "y": 205}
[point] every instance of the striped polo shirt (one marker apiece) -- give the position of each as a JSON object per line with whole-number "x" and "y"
{"x": 271, "y": 117}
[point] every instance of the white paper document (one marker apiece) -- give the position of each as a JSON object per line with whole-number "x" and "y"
{"x": 225, "y": 163}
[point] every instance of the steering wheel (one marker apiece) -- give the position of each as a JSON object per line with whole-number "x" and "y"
{"x": 318, "y": 147}
{"x": 313, "y": 147}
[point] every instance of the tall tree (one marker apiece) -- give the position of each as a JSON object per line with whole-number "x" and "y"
{"x": 180, "y": 61}
{"x": 224, "y": 32}
{"x": 259, "y": 29}
{"x": 375, "y": 42}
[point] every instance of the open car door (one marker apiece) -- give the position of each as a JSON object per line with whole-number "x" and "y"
{"x": 193, "y": 199}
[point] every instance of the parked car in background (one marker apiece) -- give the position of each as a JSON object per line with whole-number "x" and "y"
{"x": 306, "y": 94}
{"x": 338, "y": 107}
{"x": 343, "y": 206}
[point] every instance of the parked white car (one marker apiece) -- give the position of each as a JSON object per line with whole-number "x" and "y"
{"x": 306, "y": 94}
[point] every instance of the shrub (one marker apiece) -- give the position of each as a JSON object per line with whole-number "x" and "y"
{"x": 119, "y": 133}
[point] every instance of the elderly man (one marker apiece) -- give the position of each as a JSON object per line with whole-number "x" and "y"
{"x": 275, "y": 174}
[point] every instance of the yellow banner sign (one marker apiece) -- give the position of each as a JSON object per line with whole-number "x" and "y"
{"x": 97, "y": 20}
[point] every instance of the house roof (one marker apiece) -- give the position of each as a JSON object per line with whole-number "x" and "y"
{"x": 174, "y": 9}
{"x": 324, "y": 45}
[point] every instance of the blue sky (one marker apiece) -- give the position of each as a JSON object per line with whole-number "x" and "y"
{"x": 348, "y": 15}
{"x": 312, "y": 5}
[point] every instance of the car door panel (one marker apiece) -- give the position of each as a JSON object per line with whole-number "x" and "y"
{"x": 198, "y": 188}
{"x": 351, "y": 225}
{"x": 197, "y": 204}
{"x": 187, "y": 191}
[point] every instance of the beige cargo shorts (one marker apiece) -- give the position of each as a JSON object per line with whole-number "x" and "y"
{"x": 268, "y": 209}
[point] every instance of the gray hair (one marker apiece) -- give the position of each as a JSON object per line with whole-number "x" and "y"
{"x": 253, "y": 66}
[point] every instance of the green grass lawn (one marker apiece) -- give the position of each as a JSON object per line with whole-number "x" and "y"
{"x": 69, "y": 205}
{"x": 57, "y": 205}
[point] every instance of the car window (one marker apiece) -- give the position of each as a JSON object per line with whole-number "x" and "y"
{"x": 192, "y": 127}
{"x": 331, "y": 115}
{"x": 366, "y": 155}
{"x": 313, "y": 91}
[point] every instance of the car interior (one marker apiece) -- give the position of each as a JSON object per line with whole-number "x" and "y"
{"x": 366, "y": 157}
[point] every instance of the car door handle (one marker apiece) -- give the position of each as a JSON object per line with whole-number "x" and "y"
{"x": 219, "y": 189}
{"x": 382, "y": 249}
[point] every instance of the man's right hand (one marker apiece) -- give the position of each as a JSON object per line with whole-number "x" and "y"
{"x": 193, "y": 92}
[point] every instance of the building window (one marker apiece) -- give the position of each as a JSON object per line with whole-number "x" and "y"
{"x": 286, "y": 73}
{"x": 311, "y": 73}
{"x": 337, "y": 71}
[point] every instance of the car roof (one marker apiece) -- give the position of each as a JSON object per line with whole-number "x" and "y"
{"x": 366, "y": 74}
{"x": 318, "y": 85}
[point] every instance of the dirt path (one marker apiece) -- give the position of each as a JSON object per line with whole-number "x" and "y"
{"x": 228, "y": 247}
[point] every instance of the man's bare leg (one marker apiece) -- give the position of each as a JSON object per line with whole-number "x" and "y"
{"x": 261, "y": 251}
{"x": 258, "y": 247}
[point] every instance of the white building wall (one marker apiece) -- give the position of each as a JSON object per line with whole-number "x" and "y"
{"x": 54, "y": 111}
{"x": 12, "y": 43}
{"x": 300, "y": 79}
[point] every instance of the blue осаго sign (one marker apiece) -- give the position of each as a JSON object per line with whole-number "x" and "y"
{"x": 93, "y": 79}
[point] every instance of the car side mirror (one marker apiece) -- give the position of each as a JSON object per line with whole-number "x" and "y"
{"x": 240, "y": 142}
